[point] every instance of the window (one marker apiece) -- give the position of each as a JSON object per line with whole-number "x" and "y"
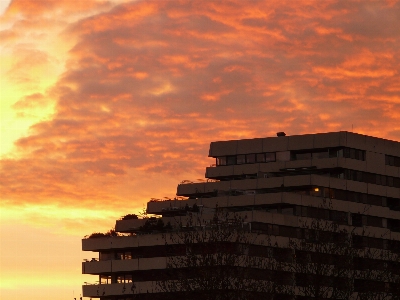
{"x": 316, "y": 192}
{"x": 105, "y": 256}
{"x": 392, "y": 160}
{"x": 241, "y": 159}
{"x": 250, "y": 158}
{"x": 273, "y": 229}
{"x": 359, "y": 241}
{"x": 393, "y": 204}
{"x": 282, "y": 254}
{"x": 302, "y": 156}
{"x": 304, "y": 211}
{"x": 288, "y": 231}
{"x": 354, "y": 153}
{"x": 393, "y": 225}
{"x": 105, "y": 279}
{"x": 369, "y": 178}
{"x": 374, "y": 200}
{"x": 231, "y": 160}
{"x": 288, "y": 210}
{"x": 339, "y": 194}
{"x": 260, "y": 157}
{"x": 320, "y": 154}
{"x": 357, "y": 220}
{"x": 283, "y": 156}
{"x": 269, "y": 156}
{"x": 221, "y": 161}
{"x": 374, "y": 221}
{"x": 335, "y": 152}
{"x": 396, "y": 182}
{"x": 128, "y": 278}
{"x": 338, "y": 216}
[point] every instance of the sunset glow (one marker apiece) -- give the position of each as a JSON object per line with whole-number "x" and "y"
{"x": 108, "y": 103}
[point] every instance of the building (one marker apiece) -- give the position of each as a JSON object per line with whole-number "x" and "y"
{"x": 275, "y": 185}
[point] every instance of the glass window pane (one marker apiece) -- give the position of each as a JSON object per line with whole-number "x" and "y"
{"x": 241, "y": 159}
{"x": 322, "y": 154}
{"x": 260, "y": 157}
{"x": 352, "y": 153}
{"x": 346, "y": 152}
{"x": 270, "y": 156}
{"x": 316, "y": 192}
{"x": 302, "y": 156}
{"x": 334, "y": 152}
{"x": 250, "y": 158}
{"x": 221, "y": 161}
{"x": 396, "y": 161}
{"x": 231, "y": 160}
{"x": 304, "y": 211}
{"x": 288, "y": 211}
{"x": 283, "y": 156}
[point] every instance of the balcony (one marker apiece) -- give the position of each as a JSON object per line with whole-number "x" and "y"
{"x": 118, "y": 289}
{"x": 124, "y": 265}
{"x": 121, "y": 242}
{"x": 129, "y": 225}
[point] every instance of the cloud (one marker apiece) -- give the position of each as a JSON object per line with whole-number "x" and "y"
{"x": 147, "y": 86}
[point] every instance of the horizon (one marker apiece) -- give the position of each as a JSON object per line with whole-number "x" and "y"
{"x": 106, "y": 104}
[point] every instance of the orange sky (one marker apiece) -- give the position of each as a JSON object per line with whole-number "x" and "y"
{"x": 106, "y": 104}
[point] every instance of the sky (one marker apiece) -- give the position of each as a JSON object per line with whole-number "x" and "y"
{"x": 108, "y": 103}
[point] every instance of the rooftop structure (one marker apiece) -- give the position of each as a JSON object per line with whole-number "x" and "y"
{"x": 285, "y": 192}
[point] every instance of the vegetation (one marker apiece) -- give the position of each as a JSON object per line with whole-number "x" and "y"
{"x": 130, "y": 217}
{"x": 324, "y": 261}
{"x": 110, "y": 233}
{"x": 216, "y": 264}
{"x": 155, "y": 225}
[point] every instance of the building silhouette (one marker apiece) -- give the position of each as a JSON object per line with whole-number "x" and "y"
{"x": 291, "y": 196}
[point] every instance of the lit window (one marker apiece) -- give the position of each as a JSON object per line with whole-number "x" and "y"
{"x": 104, "y": 279}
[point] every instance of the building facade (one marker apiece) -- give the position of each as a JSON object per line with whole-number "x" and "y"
{"x": 289, "y": 193}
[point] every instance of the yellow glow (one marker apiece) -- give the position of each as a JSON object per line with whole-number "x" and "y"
{"x": 3, "y": 5}
{"x": 163, "y": 89}
{"x": 316, "y": 189}
{"x": 72, "y": 221}
{"x": 27, "y": 67}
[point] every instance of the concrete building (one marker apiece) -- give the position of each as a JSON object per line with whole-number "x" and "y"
{"x": 274, "y": 185}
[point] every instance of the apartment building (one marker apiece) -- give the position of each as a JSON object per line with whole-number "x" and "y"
{"x": 281, "y": 189}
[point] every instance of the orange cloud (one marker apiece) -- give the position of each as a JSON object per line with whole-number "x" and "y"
{"x": 130, "y": 101}
{"x": 138, "y": 89}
